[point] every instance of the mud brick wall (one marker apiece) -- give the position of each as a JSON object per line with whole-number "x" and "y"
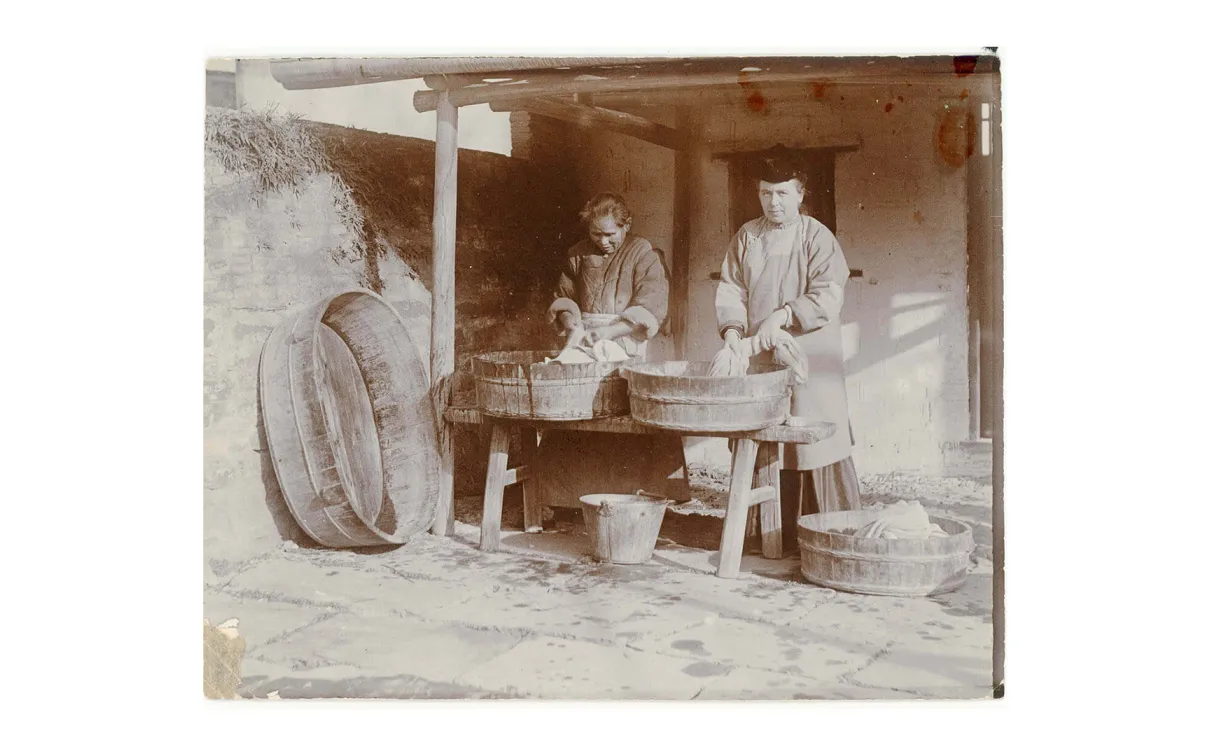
{"x": 266, "y": 257}
{"x": 516, "y": 216}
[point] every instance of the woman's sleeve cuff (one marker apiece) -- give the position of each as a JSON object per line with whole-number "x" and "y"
{"x": 562, "y": 304}
{"x": 641, "y": 317}
{"x": 734, "y": 325}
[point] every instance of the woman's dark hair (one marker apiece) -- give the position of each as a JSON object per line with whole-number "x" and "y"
{"x": 606, "y": 204}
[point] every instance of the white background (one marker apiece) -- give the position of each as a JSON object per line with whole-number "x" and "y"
{"x": 1104, "y": 136}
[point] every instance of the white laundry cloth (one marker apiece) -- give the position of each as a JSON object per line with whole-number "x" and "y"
{"x": 903, "y": 519}
{"x": 603, "y": 351}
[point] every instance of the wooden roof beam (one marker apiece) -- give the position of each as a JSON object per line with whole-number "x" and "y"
{"x": 321, "y": 73}
{"x": 453, "y": 81}
{"x": 639, "y": 75}
{"x": 589, "y": 116}
{"x": 838, "y": 66}
{"x": 556, "y": 85}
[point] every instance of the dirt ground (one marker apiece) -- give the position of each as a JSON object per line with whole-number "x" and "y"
{"x": 437, "y": 618}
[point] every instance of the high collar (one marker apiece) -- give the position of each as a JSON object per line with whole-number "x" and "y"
{"x": 790, "y": 223}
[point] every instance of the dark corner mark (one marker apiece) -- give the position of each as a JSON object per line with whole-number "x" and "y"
{"x": 964, "y": 65}
{"x": 998, "y": 693}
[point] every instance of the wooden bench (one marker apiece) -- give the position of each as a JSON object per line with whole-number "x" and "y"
{"x": 755, "y": 457}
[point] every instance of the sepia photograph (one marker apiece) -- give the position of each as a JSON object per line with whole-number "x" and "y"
{"x": 604, "y": 378}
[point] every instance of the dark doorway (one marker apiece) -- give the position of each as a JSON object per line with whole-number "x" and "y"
{"x": 817, "y": 168}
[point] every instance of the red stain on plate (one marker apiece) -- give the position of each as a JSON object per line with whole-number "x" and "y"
{"x": 964, "y": 65}
{"x": 954, "y": 137}
{"x": 756, "y": 100}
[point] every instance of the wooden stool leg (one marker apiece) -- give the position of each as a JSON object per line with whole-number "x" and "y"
{"x": 529, "y": 486}
{"x": 743, "y": 460}
{"x": 493, "y": 493}
{"x": 768, "y": 473}
{"x": 752, "y": 542}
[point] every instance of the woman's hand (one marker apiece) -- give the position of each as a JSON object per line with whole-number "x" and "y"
{"x": 575, "y": 337}
{"x": 568, "y": 321}
{"x": 609, "y": 332}
{"x": 732, "y": 339}
{"x": 766, "y": 335}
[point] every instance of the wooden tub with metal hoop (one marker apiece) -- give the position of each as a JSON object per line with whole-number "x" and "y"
{"x": 351, "y": 425}
{"x": 683, "y": 396}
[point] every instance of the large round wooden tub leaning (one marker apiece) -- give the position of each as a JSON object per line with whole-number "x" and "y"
{"x": 834, "y": 558}
{"x": 524, "y": 385}
{"x": 351, "y": 425}
{"x": 684, "y": 396}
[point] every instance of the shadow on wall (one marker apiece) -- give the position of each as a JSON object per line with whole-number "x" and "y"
{"x": 875, "y": 341}
{"x": 906, "y": 372}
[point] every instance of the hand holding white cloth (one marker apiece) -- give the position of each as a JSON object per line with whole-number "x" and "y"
{"x": 734, "y": 362}
{"x": 728, "y": 363}
{"x": 602, "y": 351}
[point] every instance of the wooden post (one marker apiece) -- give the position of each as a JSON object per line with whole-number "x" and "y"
{"x": 678, "y": 285}
{"x": 688, "y": 212}
{"x": 445, "y": 203}
{"x": 996, "y": 274}
{"x": 974, "y": 376}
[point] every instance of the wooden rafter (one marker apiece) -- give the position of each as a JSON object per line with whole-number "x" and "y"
{"x": 322, "y": 73}
{"x": 459, "y": 80}
{"x": 590, "y": 116}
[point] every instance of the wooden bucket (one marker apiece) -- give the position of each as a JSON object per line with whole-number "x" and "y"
{"x": 351, "y": 425}
{"x": 623, "y": 529}
{"x": 683, "y": 396}
{"x": 520, "y": 385}
{"x": 882, "y": 566}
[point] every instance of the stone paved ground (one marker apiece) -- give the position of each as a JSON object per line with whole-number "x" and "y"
{"x": 439, "y": 619}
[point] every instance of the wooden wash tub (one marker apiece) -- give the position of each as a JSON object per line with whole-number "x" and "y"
{"x": 351, "y": 425}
